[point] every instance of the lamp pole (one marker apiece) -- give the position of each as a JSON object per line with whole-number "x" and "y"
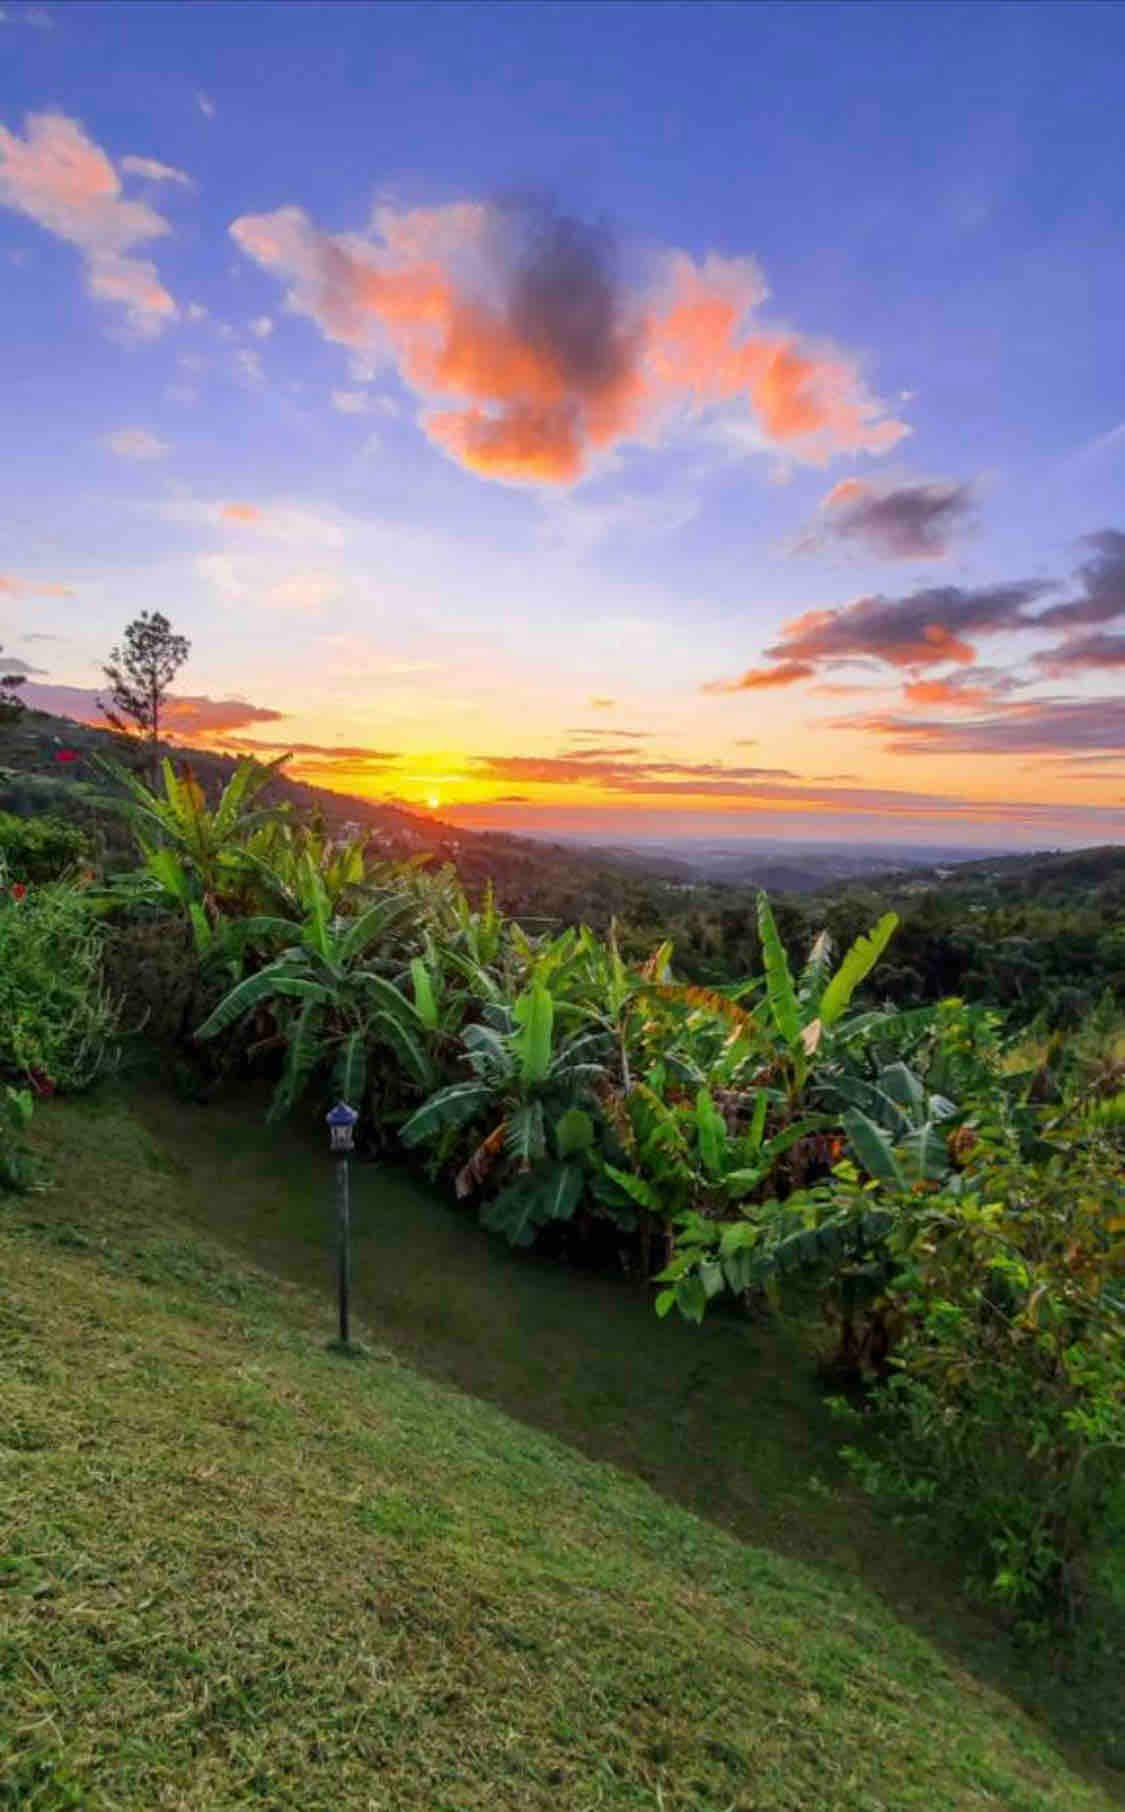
{"x": 341, "y": 1126}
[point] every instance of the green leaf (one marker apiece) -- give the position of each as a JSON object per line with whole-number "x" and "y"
{"x": 779, "y": 979}
{"x": 304, "y": 1050}
{"x": 711, "y": 1133}
{"x": 872, "y": 1148}
{"x": 534, "y": 1013}
{"x": 574, "y": 1132}
{"x": 452, "y": 1106}
{"x": 551, "y": 1192}
{"x": 525, "y": 1136}
{"x": 902, "y": 1086}
{"x": 635, "y": 1187}
{"x": 351, "y": 1069}
{"x": 372, "y": 924}
{"x": 858, "y": 963}
{"x": 425, "y": 1002}
{"x": 201, "y": 928}
{"x": 926, "y": 1153}
{"x": 758, "y": 1120}
{"x": 255, "y": 989}
{"x": 691, "y": 1298}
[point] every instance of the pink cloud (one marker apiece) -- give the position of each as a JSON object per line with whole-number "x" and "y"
{"x": 13, "y": 587}
{"x": 61, "y": 179}
{"x": 532, "y": 355}
{"x": 756, "y": 679}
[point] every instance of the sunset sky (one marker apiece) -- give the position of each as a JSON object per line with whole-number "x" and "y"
{"x": 603, "y": 418}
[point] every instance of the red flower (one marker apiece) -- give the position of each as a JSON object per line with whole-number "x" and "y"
{"x": 66, "y": 754}
{"x": 18, "y": 890}
{"x": 42, "y": 1084}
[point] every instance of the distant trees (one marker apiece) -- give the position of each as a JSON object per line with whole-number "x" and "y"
{"x": 11, "y": 704}
{"x": 140, "y": 672}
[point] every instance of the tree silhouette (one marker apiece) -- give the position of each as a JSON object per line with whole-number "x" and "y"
{"x": 11, "y": 705}
{"x": 140, "y": 672}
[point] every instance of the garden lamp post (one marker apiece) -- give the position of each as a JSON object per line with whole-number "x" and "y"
{"x": 341, "y": 1126}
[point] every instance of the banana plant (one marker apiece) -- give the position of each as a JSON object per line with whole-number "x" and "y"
{"x": 192, "y": 856}
{"x": 527, "y": 1084}
{"x": 333, "y": 1008}
{"x": 804, "y": 1012}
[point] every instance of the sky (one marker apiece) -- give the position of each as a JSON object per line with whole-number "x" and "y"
{"x": 615, "y": 419}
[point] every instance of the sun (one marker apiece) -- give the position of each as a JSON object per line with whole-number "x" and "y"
{"x": 433, "y": 800}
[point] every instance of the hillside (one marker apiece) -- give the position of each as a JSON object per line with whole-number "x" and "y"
{"x": 242, "y": 1570}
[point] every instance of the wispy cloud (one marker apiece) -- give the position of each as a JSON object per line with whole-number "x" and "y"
{"x": 532, "y": 355}
{"x": 756, "y": 679}
{"x": 135, "y": 443}
{"x": 58, "y": 177}
{"x": 1044, "y": 724}
{"x": 1103, "y": 651}
{"x": 12, "y": 586}
{"x": 154, "y": 171}
{"x": 205, "y": 104}
{"x": 186, "y": 716}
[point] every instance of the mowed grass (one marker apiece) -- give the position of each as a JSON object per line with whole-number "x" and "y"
{"x": 240, "y": 1569}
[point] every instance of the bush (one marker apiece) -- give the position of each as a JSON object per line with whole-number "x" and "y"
{"x": 56, "y": 1018}
{"x": 1002, "y": 1422}
{"x": 39, "y": 849}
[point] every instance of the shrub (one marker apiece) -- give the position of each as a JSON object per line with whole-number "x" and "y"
{"x": 39, "y": 849}
{"x": 56, "y": 1018}
{"x": 16, "y": 1106}
{"x": 1002, "y": 1422}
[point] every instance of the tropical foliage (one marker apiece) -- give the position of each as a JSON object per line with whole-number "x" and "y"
{"x": 945, "y": 1189}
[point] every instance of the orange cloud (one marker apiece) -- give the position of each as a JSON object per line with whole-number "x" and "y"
{"x": 786, "y": 673}
{"x": 849, "y": 490}
{"x": 67, "y": 184}
{"x": 240, "y": 512}
{"x": 531, "y": 355}
{"x": 13, "y": 587}
{"x": 945, "y": 692}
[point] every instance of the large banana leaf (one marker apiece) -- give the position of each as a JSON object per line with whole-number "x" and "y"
{"x": 873, "y": 1149}
{"x": 551, "y": 1192}
{"x": 256, "y": 989}
{"x": 711, "y": 1133}
{"x": 452, "y": 1106}
{"x": 425, "y": 1000}
{"x": 303, "y": 1051}
{"x": 350, "y": 1080}
{"x": 779, "y": 979}
{"x": 925, "y": 1153}
{"x": 534, "y": 1013}
{"x": 858, "y": 963}
{"x": 372, "y": 924}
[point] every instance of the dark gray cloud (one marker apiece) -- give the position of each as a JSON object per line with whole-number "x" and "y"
{"x": 913, "y": 521}
{"x": 1047, "y": 724}
{"x": 924, "y": 629}
{"x": 1101, "y": 579}
{"x": 1104, "y": 651}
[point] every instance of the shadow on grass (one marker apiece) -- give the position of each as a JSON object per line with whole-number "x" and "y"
{"x": 726, "y": 1419}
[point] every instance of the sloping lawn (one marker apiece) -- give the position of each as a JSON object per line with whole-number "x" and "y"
{"x": 242, "y": 1570}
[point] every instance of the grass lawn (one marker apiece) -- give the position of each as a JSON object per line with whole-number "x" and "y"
{"x": 535, "y": 1550}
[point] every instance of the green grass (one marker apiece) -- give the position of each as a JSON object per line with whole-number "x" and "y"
{"x": 533, "y": 1550}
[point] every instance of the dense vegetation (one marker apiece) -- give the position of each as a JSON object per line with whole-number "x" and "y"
{"x": 949, "y": 1191}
